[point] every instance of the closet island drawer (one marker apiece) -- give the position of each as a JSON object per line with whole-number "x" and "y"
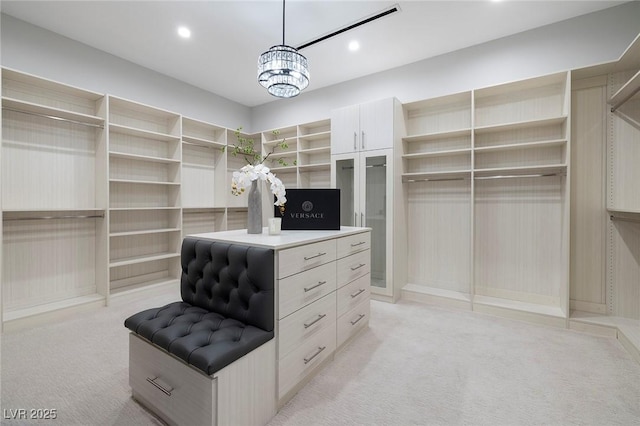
{"x": 306, "y": 323}
{"x": 353, "y": 321}
{"x": 353, "y": 294}
{"x": 298, "y": 259}
{"x": 175, "y": 391}
{"x": 353, "y": 244}
{"x": 351, "y": 267}
{"x": 294, "y": 367}
{"x": 299, "y": 290}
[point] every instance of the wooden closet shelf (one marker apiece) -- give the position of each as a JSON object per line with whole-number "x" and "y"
{"x": 626, "y": 92}
{"x": 138, "y": 157}
{"x": 18, "y": 105}
{"x": 443, "y": 153}
{"x": 144, "y": 232}
{"x": 447, "y": 134}
{"x": 141, "y": 133}
{"x": 206, "y": 143}
{"x": 143, "y": 182}
{"x": 516, "y": 125}
{"x": 142, "y": 259}
{"x": 524, "y": 145}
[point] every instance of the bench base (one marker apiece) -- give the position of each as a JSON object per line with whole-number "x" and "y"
{"x": 244, "y": 392}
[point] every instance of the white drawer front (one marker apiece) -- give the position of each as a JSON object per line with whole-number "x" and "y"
{"x": 353, "y": 244}
{"x": 295, "y": 366}
{"x": 174, "y": 390}
{"x": 299, "y": 290}
{"x": 354, "y": 266}
{"x": 306, "y": 323}
{"x": 353, "y": 293}
{"x": 353, "y": 321}
{"x": 297, "y": 259}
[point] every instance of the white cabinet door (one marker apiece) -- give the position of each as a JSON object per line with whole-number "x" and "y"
{"x": 345, "y": 128}
{"x": 376, "y": 125}
{"x": 362, "y": 127}
{"x": 365, "y": 181}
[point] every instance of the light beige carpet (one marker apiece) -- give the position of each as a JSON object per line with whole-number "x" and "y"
{"x": 415, "y": 365}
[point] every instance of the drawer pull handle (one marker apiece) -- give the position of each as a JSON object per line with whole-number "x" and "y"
{"x": 320, "y": 349}
{"x": 159, "y": 386}
{"x": 358, "y": 244}
{"x": 306, "y": 289}
{"x": 356, "y": 321}
{"x": 313, "y": 257}
{"x": 357, "y": 293}
{"x": 358, "y": 267}
{"x": 314, "y": 321}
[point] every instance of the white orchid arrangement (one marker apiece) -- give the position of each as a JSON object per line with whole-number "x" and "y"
{"x": 256, "y": 170}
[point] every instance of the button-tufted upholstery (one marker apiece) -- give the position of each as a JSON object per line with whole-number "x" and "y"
{"x": 227, "y": 307}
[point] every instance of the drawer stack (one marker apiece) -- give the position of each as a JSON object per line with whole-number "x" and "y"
{"x": 306, "y": 311}
{"x": 323, "y": 300}
{"x": 353, "y": 288}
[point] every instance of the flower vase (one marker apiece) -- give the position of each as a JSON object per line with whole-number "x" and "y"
{"x": 254, "y": 219}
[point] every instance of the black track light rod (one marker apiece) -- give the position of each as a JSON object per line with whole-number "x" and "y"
{"x": 382, "y": 14}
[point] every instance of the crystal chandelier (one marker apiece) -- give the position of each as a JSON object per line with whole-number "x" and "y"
{"x": 282, "y": 70}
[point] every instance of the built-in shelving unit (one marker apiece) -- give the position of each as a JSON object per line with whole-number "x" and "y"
{"x": 487, "y": 198}
{"x": 145, "y": 221}
{"x": 437, "y": 163}
{"x": 314, "y": 154}
{"x": 306, "y": 162}
{"x": 98, "y": 192}
{"x": 53, "y": 187}
{"x": 204, "y": 183}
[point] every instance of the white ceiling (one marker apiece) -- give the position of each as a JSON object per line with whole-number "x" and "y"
{"x": 228, "y": 36}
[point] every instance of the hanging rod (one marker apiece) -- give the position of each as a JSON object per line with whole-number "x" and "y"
{"x": 518, "y": 176}
{"x": 53, "y": 117}
{"x": 433, "y": 180}
{"x": 623, "y": 219}
{"x": 56, "y": 217}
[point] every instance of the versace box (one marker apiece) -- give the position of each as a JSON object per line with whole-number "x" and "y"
{"x": 311, "y": 209}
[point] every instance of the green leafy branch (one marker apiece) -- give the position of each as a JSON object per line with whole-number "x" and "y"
{"x": 245, "y": 147}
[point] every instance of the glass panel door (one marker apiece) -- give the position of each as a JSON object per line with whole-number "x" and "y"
{"x": 345, "y": 181}
{"x": 375, "y": 216}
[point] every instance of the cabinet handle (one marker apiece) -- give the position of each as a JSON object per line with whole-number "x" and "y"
{"x": 361, "y": 219}
{"x": 314, "y": 321}
{"x": 306, "y": 289}
{"x": 355, "y": 144}
{"x": 358, "y": 267}
{"x": 320, "y": 349}
{"x": 159, "y": 386}
{"x": 355, "y": 218}
{"x": 358, "y": 244}
{"x": 356, "y": 321}
{"x": 357, "y": 293}
{"x": 313, "y": 257}
{"x": 362, "y": 139}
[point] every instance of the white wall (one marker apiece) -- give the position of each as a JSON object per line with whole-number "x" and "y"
{"x": 37, "y": 51}
{"x": 575, "y": 43}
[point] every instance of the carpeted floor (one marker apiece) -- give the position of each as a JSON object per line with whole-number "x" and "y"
{"x": 415, "y": 365}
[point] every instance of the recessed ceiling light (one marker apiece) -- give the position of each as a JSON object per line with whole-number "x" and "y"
{"x": 354, "y": 45}
{"x": 184, "y": 32}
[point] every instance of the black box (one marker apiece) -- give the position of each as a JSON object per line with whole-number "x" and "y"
{"x": 311, "y": 209}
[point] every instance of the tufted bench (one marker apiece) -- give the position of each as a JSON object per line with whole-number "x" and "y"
{"x": 225, "y": 316}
